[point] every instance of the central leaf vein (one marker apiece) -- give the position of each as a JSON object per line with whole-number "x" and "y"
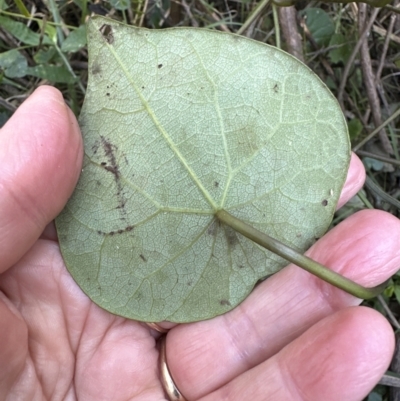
{"x": 160, "y": 128}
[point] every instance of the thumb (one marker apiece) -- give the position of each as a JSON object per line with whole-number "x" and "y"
{"x": 40, "y": 161}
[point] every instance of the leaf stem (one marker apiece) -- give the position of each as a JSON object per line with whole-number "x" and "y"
{"x": 298, "y": 259}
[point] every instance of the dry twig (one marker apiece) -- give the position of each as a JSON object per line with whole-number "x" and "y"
{"x": 353, "y": 55}
{"x": 288, "y": 22}
{"x": 369, "y": 81}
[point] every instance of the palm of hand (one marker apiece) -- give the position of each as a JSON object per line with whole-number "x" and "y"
{"x": 76, "y": 350}
{"x": 282, "y": 343}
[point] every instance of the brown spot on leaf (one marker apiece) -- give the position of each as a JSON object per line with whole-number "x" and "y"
{"x": 324, "y": 202}
{"x": 96, "y": 68}
{"x": 224, "y": 302}
{"x": 213, "y": 227}
{"x": 231, "y": 236}
{"x": 159, "y": 65}
{"x": 143, "y": 258}
{"x": 120, "y": 231}
{"x": 107, "y": 32}
{"x": 112, "y": 169}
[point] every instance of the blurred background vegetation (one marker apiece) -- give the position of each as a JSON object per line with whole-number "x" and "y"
{"x": 353, "y": 47}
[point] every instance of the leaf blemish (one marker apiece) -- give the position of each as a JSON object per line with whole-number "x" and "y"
{"x": 96, "y": 69}
{"x": 113, "y": 168}
{"x": 231, "y": 236}
{"x": 109, "y": 152}
{"x": 143, "y": 258}
{"x": 107, "y": 32}
{"x": 212, "y": 229}
{"x": 120, "y": 231}
{"x": 224, "y": 302}
{"x": 324, "y": 202}
{"x": 159, "y": 65}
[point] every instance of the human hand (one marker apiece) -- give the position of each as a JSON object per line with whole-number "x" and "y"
{"x": 294, "y": 338}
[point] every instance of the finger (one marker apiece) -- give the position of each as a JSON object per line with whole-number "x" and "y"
{"x": 340, "y": 358}
{"x": 14, "y": 345}
{"x": 284, "y": 306}
{"x": 354, "y": 181}
{"x": 40, "y": 156}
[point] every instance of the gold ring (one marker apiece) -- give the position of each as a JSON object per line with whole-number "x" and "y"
{"x": 166, "y": 379}
{"x": 157, "y": 327}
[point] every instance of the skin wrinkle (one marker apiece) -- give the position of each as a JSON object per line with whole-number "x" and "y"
{"x": 241, "y": 354}
{"x": 34, "y": 215}
{"x": 9, "y": 340}
{"x": 289, "y": 381}
{"x": 343, "y": 256}
{"x": 73, "y": 339}
{"x": 43, "y": 355}
{"x": 27, "y": 375}
{"x": 329, "y": 363}
{"x": 39, "y": 352}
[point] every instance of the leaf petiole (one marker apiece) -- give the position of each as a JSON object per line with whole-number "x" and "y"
{"x": 298, "y": 259}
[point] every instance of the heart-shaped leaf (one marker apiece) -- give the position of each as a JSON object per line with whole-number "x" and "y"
{"x": 179, "y": 124}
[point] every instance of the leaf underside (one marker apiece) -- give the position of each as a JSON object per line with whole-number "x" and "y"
{"x": 178, "y": 124}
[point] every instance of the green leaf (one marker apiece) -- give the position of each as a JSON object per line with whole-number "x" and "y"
{"x": 342, "y": 50}
{"x": 52, "y": 73}
{"x": 4, "y": 116}
{"x": 75, "y": 41}
{"x": 178, "y": 124}
{"x": 3, "y": 5}
{"x": 373, "y": 164}
{"x": 397, "y": 293}
{"x": 13, "y": 63}
{"x": 45, "y": 55}
{"x": 320, "y": 25}
{"x": 355, "y": 128}
{"x": 120, "y": 4}
{"x": 22, "y": 32}
{"x": 374, "y": 396}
